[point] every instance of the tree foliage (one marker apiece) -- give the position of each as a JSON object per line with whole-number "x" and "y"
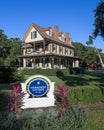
{"x": 86, "y": 53}
{"x": 99, "y": 20}
{"x": 10, "y": 49}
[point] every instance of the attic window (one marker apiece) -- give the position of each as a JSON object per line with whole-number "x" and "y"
{"x": 33, "y": 34}
{"x": 50, "y": 33}
{"x": 63, "y": 39}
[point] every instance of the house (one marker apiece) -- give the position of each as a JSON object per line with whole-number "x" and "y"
{"x": 45, "y": 48}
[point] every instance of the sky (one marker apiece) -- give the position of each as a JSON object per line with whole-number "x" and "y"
{"x": 73, "y": 16}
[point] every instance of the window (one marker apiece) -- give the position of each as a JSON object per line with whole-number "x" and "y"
{"x": 60, "y": 49}
{"x": 50, "y": 33}
{"x": 63, "y": 39}
{"x": 53, "y": 48}
{"x": 33, "y": 34}
{"x": 71, "y": 52}
{"x": 66, "y": 51}
{"x": 46, "y": 47}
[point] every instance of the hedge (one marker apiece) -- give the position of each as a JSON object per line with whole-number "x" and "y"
{"x": 86, "y": 95}
{"x": 47, "y": 72}
{"x": 54, "y": 72}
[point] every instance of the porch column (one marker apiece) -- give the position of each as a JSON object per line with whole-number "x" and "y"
{"x": 73, "y": 63}
{"x": 44, "y": 46}
{"x": 43, "y": 64}
{"x": 40, "y": 62}
{"x": 33, "y": 62}
{"x": 49, "y": 63}
{"x": 59, "y": 62}
{"x": 52, "y": 62}
{"x": 24, "y": 62}
{"x": 77, "y": 63}
{"x": 34, "y": 47}
{"x": 65, "y": 62}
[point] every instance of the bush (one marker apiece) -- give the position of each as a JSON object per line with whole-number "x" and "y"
{"x": 9, "y": 74}
{"x": 73, "y": 119}
{"x": 46, "y": 72}
{"x": 85, "y": 95}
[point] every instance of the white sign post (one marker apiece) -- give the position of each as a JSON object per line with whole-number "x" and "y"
{"x": 39, "y": 92}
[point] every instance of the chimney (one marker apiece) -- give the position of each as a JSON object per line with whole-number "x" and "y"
{"x": 56, "y": 35}
{"x": 67, "y": 37}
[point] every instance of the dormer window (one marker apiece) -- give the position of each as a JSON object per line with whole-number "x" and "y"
{"x": 50, "y": 33}
{"x": 63, "y": 39}
{"x": 33, "y": 34}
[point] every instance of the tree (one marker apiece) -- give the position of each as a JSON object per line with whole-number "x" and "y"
{"x": 10, "y": 49}
{"x": 3, "y": 48}
{"x": 87, "y": 54}
{"x": 99, "y": 28}
{"x": 99, "y": 20}
{"x": 15, "y": 50}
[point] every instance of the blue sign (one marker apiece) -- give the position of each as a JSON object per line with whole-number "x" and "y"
{"x": 38, "y": 87}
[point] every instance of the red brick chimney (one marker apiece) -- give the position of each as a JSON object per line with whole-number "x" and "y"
{"x": 67, "y": 37}
{"x": 56, "y": 35}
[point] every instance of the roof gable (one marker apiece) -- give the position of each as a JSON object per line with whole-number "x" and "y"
{"x": 27, "y": 38}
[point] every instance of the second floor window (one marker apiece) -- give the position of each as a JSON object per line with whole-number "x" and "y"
{"x": 33, "y": 34}
{"x": 53, "y": 48}
{"x": 46, "y": 47}
{"x": 60, "y": 50}
{"x": 71, "y": 52}
{"x": 66, "y": 51}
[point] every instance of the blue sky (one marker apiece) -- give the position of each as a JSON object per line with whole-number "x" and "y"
{"x": 73, "y": 16}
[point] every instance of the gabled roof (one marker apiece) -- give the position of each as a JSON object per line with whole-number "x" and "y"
{"x": 42, "y": 32}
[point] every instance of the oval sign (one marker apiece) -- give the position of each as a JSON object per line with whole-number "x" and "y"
{"x": 38, "y": 87}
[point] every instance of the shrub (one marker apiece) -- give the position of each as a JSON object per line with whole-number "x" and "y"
{"x": 46, "y": 72}
{"x": 85, "y": 95}
{"x": 9, "y": 74}
{"x": 15, "y": 99}
{"x": 73, "y": 119}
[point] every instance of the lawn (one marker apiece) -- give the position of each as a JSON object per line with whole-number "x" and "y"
{"x": 79, "y": 80}
{"x": 95, "y": 117}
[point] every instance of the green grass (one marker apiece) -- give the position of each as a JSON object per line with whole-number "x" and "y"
{"x": 79, "y": 80}
{"x": 95, "y": 120}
